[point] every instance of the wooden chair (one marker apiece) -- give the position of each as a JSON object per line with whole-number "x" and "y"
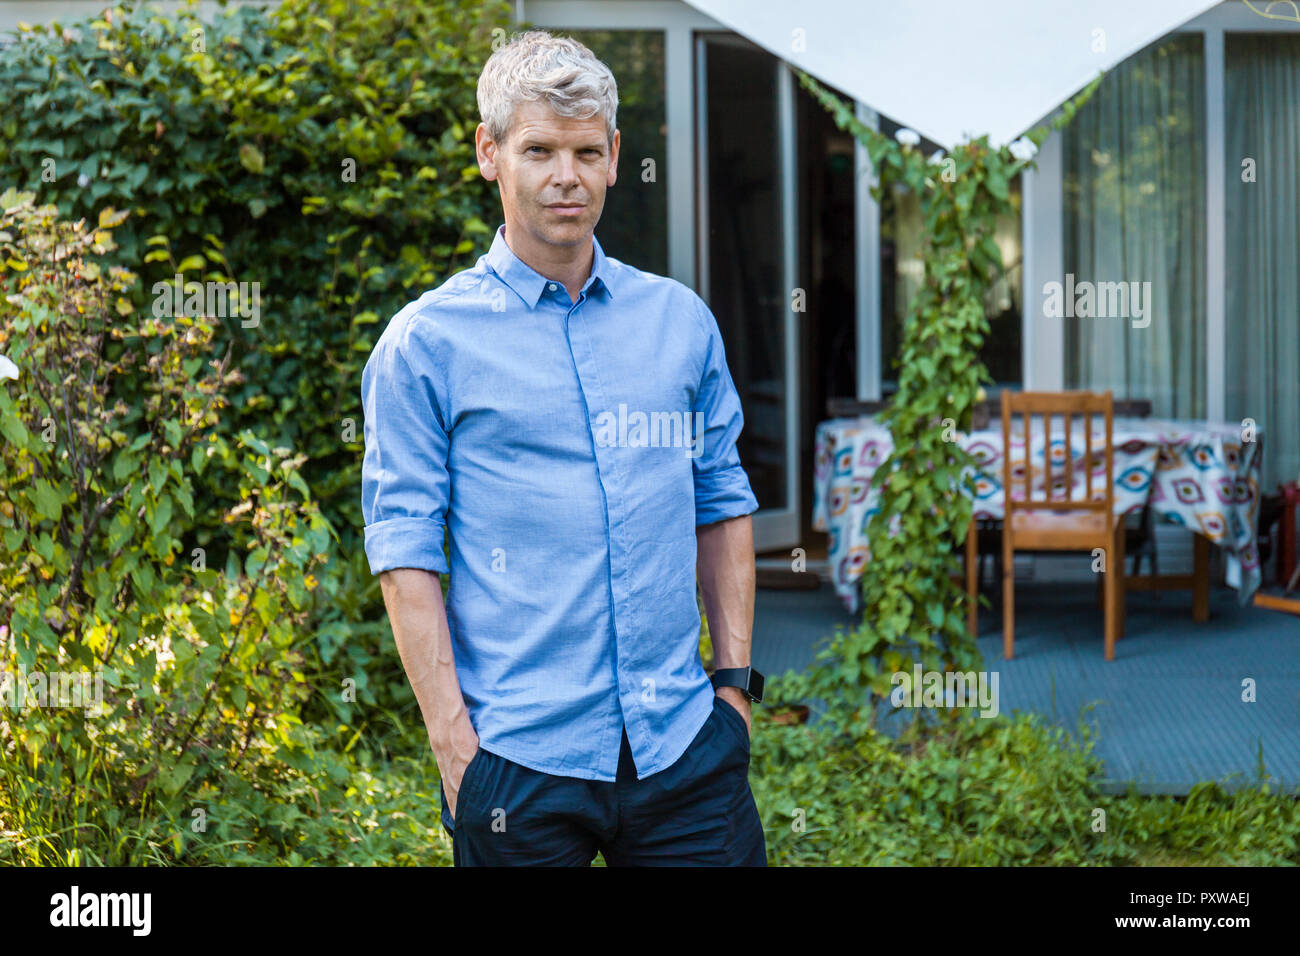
{"x": 1050, "y": 523}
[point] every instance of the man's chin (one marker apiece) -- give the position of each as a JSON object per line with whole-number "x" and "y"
{"x": 567, "y": 233}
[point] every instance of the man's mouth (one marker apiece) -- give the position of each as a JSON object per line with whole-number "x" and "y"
{"x": 566, "y": 209}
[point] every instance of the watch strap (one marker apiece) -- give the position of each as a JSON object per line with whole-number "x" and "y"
{"x": 745, "y": 678}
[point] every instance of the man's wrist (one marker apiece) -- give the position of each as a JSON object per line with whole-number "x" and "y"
{"x": 733, "y": 695}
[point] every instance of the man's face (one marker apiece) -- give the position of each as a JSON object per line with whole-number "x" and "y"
{"x": 552, "y": 171}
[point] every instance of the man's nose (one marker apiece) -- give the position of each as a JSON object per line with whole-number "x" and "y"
{"x": 566, "y": 171}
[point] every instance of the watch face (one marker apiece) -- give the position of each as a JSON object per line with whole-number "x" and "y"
{"x": 755, "y": 685}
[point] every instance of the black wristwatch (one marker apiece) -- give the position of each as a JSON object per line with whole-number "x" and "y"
{"x": 746, "y": 678}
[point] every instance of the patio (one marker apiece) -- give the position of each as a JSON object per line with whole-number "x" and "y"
{"x": 1167, "y": 712}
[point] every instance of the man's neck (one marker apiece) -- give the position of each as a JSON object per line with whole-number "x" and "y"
{"x": 568, "y": 265}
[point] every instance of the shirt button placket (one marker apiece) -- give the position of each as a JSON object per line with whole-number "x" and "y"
{"x": 588, "y": 384}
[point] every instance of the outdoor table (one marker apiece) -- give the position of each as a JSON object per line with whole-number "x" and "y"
{"x": 1198, "y": 474}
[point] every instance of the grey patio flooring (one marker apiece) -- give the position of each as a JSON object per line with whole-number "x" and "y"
{"x": 1167, "y": 713}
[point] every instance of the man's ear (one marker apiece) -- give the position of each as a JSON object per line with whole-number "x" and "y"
{"x": 486, "y": 150}
{"x": 612, "y": 177}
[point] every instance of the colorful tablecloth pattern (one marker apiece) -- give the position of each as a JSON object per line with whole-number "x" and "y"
{"x": 1197, "y": 474}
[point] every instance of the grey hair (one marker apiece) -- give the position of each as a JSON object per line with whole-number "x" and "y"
{"x": 537, "y": 65}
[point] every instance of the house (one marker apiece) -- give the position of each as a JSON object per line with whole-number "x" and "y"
{"x": 1174, "y": 193}
{"x": 1181, "y": 179}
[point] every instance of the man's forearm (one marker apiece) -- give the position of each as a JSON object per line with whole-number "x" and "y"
{"x": 725, "y": 567}
{"x": 419, "y": 620}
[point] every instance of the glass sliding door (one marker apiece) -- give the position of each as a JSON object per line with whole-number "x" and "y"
{"x": 1135, "y": 214}
{"x": 634, "y": 224}
{"x": 1262, "y": 272}
{"x": 745, "y": 149}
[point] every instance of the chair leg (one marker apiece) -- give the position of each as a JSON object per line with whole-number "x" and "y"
{"x": 1201, "y": 578}
{"x": 972, "y": 580}
{"x": 1008, "y": 597}
{"x": 1111, "y": 576}
{"x": 997, "y": 568}
{"x": 1120, "y": 590}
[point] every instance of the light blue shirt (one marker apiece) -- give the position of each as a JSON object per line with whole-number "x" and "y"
{"x": 570, "y": 449}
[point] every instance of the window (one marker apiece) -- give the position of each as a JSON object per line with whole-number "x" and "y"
{"x": 902, "y": 271}
{"x": 1262, "y": 272}
{"x": 1134, "y": 232}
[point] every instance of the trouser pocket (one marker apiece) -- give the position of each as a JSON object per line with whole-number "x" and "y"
{"x": 734, "y": 719}
{"x": 466, "y": 779}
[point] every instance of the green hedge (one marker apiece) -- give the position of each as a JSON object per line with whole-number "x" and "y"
{"x": 247, "y": 130}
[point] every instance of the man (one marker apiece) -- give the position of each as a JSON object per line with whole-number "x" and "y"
{"x": 571, "y": 422}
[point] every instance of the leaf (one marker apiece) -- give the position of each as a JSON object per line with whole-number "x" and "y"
{"x": 176, "y": 777}
{"x": 110, "y": 217}
{"x": 46, "y": 498}
{"x": 123, "y": 466}
{"x": 251, "y": 158}
{"x": 162, "y": 515}
{"x": 935, "y": 611}
{"x": 157, "y": 475}
{"x": 997, "y": 184}
{"x": 13, "y": 429}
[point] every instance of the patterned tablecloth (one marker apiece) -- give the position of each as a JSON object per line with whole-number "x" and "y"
{"x": 1197, "y": 474}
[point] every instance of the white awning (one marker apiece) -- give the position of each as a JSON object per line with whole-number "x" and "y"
{"x": 952, "y": 69}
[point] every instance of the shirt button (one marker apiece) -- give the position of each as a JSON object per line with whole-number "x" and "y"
{"x": 551, "y": 287}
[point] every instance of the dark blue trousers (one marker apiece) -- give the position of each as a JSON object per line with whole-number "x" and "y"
{"x": 700, "y": 811}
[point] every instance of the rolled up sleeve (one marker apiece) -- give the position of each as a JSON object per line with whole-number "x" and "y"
{"x": 721, "y": 486}
{"x": 405, "y": 487}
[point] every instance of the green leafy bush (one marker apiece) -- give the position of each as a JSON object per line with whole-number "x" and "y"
{"x": 195, "y": 670}
{"x": 321, "y": 149}
{"x": 992, "y": 792}
{"x": 327, "y": 146}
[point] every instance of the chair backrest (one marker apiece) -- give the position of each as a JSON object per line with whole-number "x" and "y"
{"x": 1068, "y": 405}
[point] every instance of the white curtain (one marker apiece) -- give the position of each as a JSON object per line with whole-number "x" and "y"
{"x": 1262, "y": 105}
{"x": 1135, "y": 212}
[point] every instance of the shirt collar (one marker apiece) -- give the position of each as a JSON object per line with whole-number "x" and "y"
{"x": 528, "y": 282}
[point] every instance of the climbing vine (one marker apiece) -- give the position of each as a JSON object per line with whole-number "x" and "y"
{"x": 914, "y": 609}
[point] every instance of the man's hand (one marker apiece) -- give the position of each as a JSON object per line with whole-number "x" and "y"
{"x": 415, "y": 609}
{"x": 737, "y": 699}
{"x": 453, "y": 754}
